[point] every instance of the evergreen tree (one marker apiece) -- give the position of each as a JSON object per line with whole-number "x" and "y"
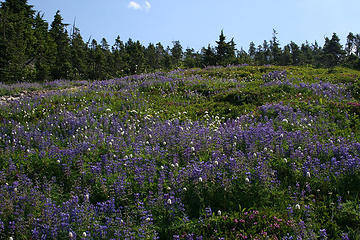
{"x": 242, "y": 57}
{"x": 357, "y": 45}
{"x": 136, "y": 59}
{"x": 191, "y": 59}
{"x": 78, "y": 56}
{"x": 259, "y": 55}
{"x": 295, "y": 53}
{"x": 252, "y": 50}
{"x": 118, "y": 54}
{"x": 176, "y": 53}
{"x": 350, "y": 44}
{"x": 16, "y": 41}
{"x": 161, "y": 56}
{"x": 208, "y": 56}
{"x": 62, "y": 67}
{"x": 286, "y": 58}
{"x": 44, "y": 49}
{"x": 150, "y": 58}
{"x": 107, "y": 69}
{"x": 317, "y": 54}
{"x": 225, "y": 51}
{"x": 306, "y": 56}
{"x": 97, "y": 61}
{"x": 266, "y": 53}
{"x": 275, "y": 49}
{"x": 333, "y": 52}
{"x": 351, "y": 60}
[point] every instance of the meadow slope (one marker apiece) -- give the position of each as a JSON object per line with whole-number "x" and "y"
{"x": 242, "y": 152}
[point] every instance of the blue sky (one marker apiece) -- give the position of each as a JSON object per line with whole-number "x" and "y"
{"x": 197, "y": 23}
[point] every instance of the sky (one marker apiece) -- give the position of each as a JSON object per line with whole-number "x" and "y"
{"x": 197, "y": 23}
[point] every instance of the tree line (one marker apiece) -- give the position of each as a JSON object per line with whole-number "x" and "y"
{"x": 31, "y": 50}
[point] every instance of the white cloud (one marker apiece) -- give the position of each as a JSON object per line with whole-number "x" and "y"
{"x": 147, "y": 5}
{"x": 134, "y": 5}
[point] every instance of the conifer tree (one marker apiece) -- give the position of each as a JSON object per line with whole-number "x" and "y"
{"x": 208, "y": 56}
{"x": 150, "y": 56}
{"x": 275, "y": 48}
{"x": 118, "y": 54}
{"x": 44, "y": 49}
{"x": 62, "y": 67}
{"x": 191, "y": 59}
{"x": 225, "y": 51}
{"x": 286, "y": 58}
{"x": 16, "y": 41}
{"x": 78, "y": 55}
{"x": 252, "y": 50}
{"x": 295, "y": 53}
{"x": 332, "y": 50}
{"x": 176, "y": 53}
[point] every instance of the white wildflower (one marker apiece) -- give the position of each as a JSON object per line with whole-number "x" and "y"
{"x": 219, "y": 212}
{"x": 285, "y": 120}
{"x": 247, "y": 180}
{"x": 169, "y": 201}
{"x": 200, "y": 179}
{"x": 308, "y": 174}
{"x": 297, "y": 206}
{"x": 216, "y": 163}
{"x": 84, "y": 234}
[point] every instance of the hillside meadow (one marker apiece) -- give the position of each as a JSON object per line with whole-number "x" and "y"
{"x": 237, "y": 152}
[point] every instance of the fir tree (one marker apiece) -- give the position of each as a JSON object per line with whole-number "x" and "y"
{"x": 176, "y": 53}
{"x": 17, "y": 41}
{"x": 62, "y": 67}
{"x": 333, "y": 52}
{"x": 225, "y": 51}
